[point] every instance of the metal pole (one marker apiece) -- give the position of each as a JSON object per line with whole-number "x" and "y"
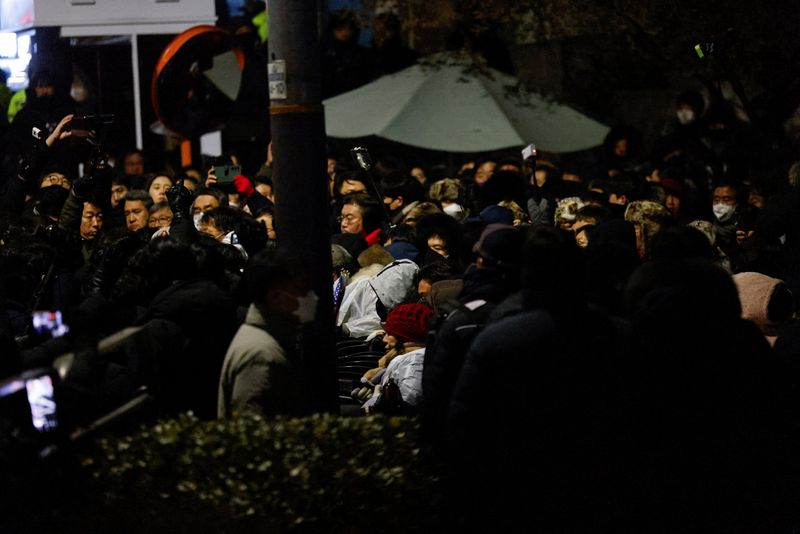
{"x": 137, "y": 97}
{"x": 299, "y": 174}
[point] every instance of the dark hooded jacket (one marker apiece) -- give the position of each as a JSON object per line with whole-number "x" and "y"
{"x": 185, "y": 370}
{"x": 444, "y": 357}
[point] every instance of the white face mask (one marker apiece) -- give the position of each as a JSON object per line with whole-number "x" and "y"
{"x": 454, "y": 210}
{"x": 723, "y": 212}
{"x": 78, "y": 93}
{"x": 196, "y": 219}
{"x": 306, "y": 307}
{"x": 685, "y": 116}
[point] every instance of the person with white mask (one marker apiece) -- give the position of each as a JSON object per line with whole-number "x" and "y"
{"x": 733, "y": 224}
{"x": 689, "y": 107}
{"x": 447, "y": 192}
{"x": 724, "y": 203}
{"x": 206, "y": 199}
{"x": 681, "y": 135}
{"x": 262, "y": 372}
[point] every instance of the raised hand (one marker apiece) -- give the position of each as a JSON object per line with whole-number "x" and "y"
{"x": 59, "y": 133}
{"x": 243, "y": 186}
{"x": 180, "y": 200}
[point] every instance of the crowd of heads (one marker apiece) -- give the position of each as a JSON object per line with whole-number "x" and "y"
{"x": 611, "y": 252}
{"x": 641, "y": 288}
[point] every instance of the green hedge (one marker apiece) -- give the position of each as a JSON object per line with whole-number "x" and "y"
{"x": 320, "y": 473}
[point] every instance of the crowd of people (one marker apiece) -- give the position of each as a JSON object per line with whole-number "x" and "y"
{"x": 588, "y": 345}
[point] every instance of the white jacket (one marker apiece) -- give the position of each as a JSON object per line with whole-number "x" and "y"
{"x": 358, "y": 315}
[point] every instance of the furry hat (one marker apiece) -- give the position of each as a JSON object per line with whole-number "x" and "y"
{"x": 650, "y": 216}
{"x": 567, "y": 210}
{"x": 445, "y": 189}
{"x": 375, "y": 254}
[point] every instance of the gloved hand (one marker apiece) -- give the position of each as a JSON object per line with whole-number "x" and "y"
{"x": 180, "y": 200}
{"x": 243, "y": 186}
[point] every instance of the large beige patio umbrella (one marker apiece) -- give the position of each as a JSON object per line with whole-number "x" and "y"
{"x": 450, "y": 106}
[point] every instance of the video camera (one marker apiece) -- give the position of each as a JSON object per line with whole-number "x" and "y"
{"x": 88, "y": 125}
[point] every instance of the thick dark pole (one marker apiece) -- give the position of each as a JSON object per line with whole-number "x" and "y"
{"x": 299, "y": 174}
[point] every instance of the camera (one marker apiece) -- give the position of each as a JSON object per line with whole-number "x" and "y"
{"x": 89, "y": 123}
{"x": 530, "y": 153}
{"x": 362, "y": 157}
{"x": 86, "y": 127}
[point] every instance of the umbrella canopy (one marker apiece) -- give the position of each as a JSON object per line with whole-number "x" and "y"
{"x": 452, "y": 107}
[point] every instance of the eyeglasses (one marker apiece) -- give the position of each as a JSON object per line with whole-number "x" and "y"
{"x": 54, "y": 179}
{"x": 160, "y": 221}
{"x": 349, "y": 218}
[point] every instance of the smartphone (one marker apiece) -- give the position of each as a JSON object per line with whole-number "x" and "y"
{"x": 49, "y": 322}
{"x": 225, "y": 173}
{"x": 29, "y": 400}
{"x": 41, "y": 398}
{"x": 89, "y": 123}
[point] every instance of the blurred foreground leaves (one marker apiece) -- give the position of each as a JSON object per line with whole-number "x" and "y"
{"x": 319, "y": 473}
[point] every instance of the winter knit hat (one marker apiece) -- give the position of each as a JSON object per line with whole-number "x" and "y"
{"x": 673, "y": 187}
{"x": 409, "y": 322}
{"x": 500, "y": 244}
{"x": 496, "y": 215}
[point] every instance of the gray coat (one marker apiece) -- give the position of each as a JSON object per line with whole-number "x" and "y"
{"x": 257, "y": 374}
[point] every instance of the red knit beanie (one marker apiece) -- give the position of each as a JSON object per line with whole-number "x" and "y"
{"x": 408, "y": 322}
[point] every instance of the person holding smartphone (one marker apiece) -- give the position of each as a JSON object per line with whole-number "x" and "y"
{"x": 734, "y": 223}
